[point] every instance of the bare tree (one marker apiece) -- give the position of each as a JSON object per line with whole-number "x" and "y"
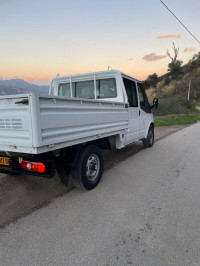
{"x": 175, "y": 50}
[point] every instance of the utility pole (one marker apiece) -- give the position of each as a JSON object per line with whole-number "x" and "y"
{"x": 189, "y": 89}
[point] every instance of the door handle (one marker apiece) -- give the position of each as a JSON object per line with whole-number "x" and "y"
{"x": 139, "y": 112}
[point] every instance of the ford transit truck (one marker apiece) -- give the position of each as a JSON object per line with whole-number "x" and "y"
{"x": 66, "y": 131}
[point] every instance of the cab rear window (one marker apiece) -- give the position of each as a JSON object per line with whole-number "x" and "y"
{"x": 105, "y": 88}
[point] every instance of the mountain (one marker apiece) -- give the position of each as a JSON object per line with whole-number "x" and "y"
{"x": 18, "y": 86}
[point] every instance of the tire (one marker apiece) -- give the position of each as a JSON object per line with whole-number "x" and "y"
{"x": 149, "y": 141}
{"x": 88, "y": 168}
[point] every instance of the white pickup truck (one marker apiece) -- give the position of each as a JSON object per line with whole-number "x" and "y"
{"x": 66, "y": 130}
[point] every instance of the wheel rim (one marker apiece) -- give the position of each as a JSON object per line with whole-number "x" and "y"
{"x": 92, "y": 167}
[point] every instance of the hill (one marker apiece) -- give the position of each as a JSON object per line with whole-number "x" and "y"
{"x": 18, "y": 86}
{"x": 173, "y": 91}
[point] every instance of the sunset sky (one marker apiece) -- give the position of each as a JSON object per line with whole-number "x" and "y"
{"x": 40, "y": 38}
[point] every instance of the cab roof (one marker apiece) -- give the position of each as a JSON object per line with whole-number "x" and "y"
{"x": 98, "y": 73}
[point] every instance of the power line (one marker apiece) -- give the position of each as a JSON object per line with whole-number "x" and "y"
{"x": 180, "y": 22}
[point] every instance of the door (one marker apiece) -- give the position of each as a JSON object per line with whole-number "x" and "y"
{"x": 131, "y": 91}
{"x": 145, "y": 111}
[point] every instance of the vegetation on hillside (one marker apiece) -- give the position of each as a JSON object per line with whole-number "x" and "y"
{"x": 173, "y": 90}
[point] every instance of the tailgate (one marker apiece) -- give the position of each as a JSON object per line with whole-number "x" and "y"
{"x": 15, "y": 122}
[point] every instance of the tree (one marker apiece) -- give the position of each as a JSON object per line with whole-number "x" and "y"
{"x": 146, "y": 84}
{"x": 175, "y": 50}
{"x": 151, "y": 81}
{"x": 175, "y": 67}
{"x": 196, "y": 58}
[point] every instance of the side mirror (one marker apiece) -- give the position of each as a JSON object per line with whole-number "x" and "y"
{"x": 155, "y": 103}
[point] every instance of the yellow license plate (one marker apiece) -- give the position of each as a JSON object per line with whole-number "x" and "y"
{"x": 4, "y": 161}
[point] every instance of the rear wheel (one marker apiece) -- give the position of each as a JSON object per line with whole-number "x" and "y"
{"x": 88, "y": 168}
{"x": 149, "y": 141}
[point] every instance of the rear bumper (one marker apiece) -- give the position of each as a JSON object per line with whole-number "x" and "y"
{"x": 14, "y": 166}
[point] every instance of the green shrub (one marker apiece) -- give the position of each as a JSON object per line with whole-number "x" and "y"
{"x": 169, "y": 106}
{"x": 151, "y": 81}
{"x": 175, "y": 67}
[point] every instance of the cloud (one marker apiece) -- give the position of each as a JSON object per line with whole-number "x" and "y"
{"x": 177, "y": 36}
{"x": 189, "y": 50}
{"x": 131, "y": 59}
{"x": 153, "y": 57}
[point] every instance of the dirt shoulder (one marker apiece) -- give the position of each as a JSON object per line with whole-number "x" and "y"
{"x": 164, "y": 131}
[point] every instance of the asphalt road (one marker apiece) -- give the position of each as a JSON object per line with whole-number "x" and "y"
{"x": 145, "y": 211}
{"x": 20, "y": 195}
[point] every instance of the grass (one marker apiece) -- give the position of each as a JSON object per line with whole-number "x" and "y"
{"x": 191, "y": 117}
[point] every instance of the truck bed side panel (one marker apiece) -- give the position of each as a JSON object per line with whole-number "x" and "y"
{"x": 48, "y": 123}
{"x": 65, "y": 120}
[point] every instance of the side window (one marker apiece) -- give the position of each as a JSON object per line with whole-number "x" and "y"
{"x": 64, "y": 89}
{"x": 83, "y": 89}
{"x": 135, "y": 100}
{"x": 131, "y": 92}
{"x": 106, "y": 88}
{"x": 144, "y": 104}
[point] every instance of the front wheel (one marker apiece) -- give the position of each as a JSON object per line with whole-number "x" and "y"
{"x": 88, "y": 168}
{"x": 149, "y": 141}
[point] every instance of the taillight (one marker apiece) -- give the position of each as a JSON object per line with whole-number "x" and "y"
{"x": 33, "y": 167}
